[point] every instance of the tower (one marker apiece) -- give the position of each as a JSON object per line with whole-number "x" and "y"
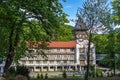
{"x": 80, "y": 31}
{"x": 80, "y": 36}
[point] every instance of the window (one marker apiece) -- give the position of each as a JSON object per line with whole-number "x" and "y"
{"x": 38, "y": 62}
{"x": 92, "y": 50}
{"x": 44, "y": 62}
{"x": 72, "y": 49}
{"x": 71, "y": 62}
{"x": 24, "y": 62}
{"x": 58, "y": 62}
{"x": 51, "y": 61}
{"x": 31, "y": 62}
{"x": 82, "y": 62}
{"x": 65, "y": 61}
{"x": 58, "y": 49}
{"x": 82, "y": 50}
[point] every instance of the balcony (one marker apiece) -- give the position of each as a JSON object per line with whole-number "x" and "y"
{"x": 58, "y": 52}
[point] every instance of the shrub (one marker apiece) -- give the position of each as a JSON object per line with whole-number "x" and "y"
{"x": 108, "y": 74}
{"x": 46, "y": 76}
{"x": 38, "y": 76}
{"x": 11, "y": 70}
{"x": 64, "y": 74}
{"x": 73, "y": 75}
{"x": 101, "y": 74}
{"x": 22, "y": 70}
{"x": 97, "y": 75}
{"x": 41, "y": 76}
{"x": 111, "y": 74}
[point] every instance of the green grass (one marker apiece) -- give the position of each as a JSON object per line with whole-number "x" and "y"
{"x": 58, "y": 77}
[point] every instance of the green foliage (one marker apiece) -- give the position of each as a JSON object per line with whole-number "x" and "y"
{"x": 22, "y": 21}
{"x": 98, "y": 72}
{"x": 38, "y": 76}
{"x": 108, "y": 74}
{"x": 116, "y": 11}
{"x": 46, "y": 76}
{"x": 22, "y": 70}
{"x": 101, "y": 74}
{"x": 64, "y": 74}
{"x": 41, "y": 76}
{"x": 92, "y": 70}
{"x": 101, "y": 42}
{"x": 73, "y": 75}
{"x": 12, "y": 70}
{"x": 64, "y": 33}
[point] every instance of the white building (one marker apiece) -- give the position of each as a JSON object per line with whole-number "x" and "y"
{"x": 70, "y": 55}
{"x": 62, "y": 55}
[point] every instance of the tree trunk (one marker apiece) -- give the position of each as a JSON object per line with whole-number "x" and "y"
{"x": 88, "y": 56}
{"x": 11, "y": 53}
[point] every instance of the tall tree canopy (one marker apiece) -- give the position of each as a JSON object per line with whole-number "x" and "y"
{"x": 18, "y": 24}
{"x": 116, "y": 11}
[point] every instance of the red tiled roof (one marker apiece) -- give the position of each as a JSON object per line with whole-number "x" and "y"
{"x": 53, "y": 44}
{"x": 59, "y": 44}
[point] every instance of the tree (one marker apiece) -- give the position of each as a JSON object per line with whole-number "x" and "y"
{"x": 100, "y": 41}
{"x": 116, "y": 11}
{"x": 17, "y": 25}
{"x": 94, "y": 14}
{"x": 64, "y": 33}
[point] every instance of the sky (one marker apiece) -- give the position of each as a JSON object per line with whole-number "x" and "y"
{"x": 70, "y": 7}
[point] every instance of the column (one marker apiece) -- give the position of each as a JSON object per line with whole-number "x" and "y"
{"x": 75, "y": 67}
{"x": 41, "y": 68}
{"x": 80, "y": 68}
{"x": 69, "y": 67}
{"x": 34, "y": 68}
{"x": 48, "y": 68}
{"x": 62, "y": 68}
{"x": 55, "y": 68}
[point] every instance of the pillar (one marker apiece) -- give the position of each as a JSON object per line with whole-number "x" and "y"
{"x": 75, "y": 67}
{"x": 80, "y": 68}
{"x": 55, "y": 68}
{"x": 34, "y": 68}
{"x": 62, "y": 68}
{"x": 41, "y": 68}
{"x": 48, "y": 68}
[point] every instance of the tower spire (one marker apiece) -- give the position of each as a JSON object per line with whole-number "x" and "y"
{"x": 80, "y": 25}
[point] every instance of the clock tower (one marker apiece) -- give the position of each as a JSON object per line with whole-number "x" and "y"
{"x": 80, "y": 31}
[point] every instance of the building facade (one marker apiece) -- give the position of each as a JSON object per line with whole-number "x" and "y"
{"x": 61, "y": 56}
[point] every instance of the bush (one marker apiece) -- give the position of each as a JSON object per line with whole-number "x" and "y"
{"x": 38, "y": 76}
{"x": 97, "y": 75}
{"x": 11, "y": 70}
{"x": 101, "y": 74}
{"x": 46, "y": 76}
{"x": 64, "y": 74}
{"x": 41, "y": 76}
{"x": 22, "y": 70}
{"x": 108, "y": 74}
{"x": 73, "y": 75}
